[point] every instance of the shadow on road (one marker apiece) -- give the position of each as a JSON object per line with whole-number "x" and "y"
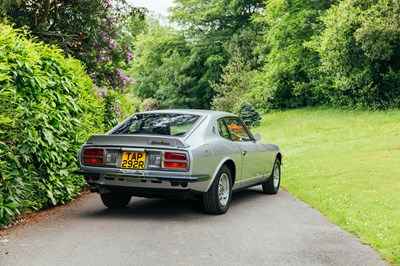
{"x": 160, "y": 209}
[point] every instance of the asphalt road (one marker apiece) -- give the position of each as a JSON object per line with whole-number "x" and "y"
{"x": 257, "y": 230}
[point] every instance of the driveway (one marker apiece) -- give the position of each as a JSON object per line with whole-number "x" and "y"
{"x": 257, "y": 230}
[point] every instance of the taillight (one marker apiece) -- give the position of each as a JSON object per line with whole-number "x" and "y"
{"x": 90, "y": 160}
{"x": 175, "y": 165}
{"x": 93, "y": 152}
{"x": 175, "y": 156}
{"x": 175, "y": 160}
{"x": 93, "y": 156}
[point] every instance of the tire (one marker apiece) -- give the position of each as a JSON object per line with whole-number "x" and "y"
{"x": 115, "y": 200}
{"x": 271, "y": 186}
{"x": 218, "y": 197}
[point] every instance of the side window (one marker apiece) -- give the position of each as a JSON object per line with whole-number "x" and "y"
{"x": 237, "y": 130}
{"x": 223, "y": 130}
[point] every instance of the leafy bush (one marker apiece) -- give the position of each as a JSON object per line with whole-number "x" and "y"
{"x": 288, "y": 77}
{"x": 118, "y": 106}
{"x": 97, "y": 32}
{"x": 249, "y": 115}
{"x": 47, "y": 109}
{"x": 359, "y": 53}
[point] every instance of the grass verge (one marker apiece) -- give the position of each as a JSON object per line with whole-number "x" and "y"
{"x": 346, "y": 164}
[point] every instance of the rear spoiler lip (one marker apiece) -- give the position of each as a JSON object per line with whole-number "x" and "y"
{"x": 137, "y": 141}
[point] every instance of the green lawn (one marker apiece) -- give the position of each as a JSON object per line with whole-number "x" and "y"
{"x": 346, "y": 164}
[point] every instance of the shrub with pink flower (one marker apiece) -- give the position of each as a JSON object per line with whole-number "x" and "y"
{"x": 102, "y": 92}
{"x": 97, "y": 38}
{"x": 151, "y": 104}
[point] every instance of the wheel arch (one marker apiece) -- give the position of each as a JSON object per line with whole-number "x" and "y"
{"x": 230, "y": 163}
{"x": 232, "y": 168}
{"x": 279, "y": 156}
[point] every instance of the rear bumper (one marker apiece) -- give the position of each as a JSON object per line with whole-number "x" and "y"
{"x": 152, "y": 180}
{"x": 157, "y": 176}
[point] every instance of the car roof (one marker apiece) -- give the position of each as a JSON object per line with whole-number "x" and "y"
{"x": 190, "y": 111}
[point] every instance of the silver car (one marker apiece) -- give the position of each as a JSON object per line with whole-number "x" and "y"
{"x": 183, "y": 153}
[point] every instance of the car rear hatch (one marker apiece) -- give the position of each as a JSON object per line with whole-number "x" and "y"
{"x": 135, "y": 152}
{"x": 137, "y": 141}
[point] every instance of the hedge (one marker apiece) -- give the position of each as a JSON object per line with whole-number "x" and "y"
{"x": 47, "y": 110}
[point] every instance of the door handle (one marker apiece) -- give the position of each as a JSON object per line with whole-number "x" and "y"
{"x": 244, "y": 153}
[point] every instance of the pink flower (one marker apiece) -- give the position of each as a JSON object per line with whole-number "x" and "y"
{"x": 111, "y": 19}
{"x": 128, "y": 57}
{"x": 108, "y": 3}
{"x": 102, "y": 92}
{"x": 122, "y": 79}
{"x": 117, "y": 110}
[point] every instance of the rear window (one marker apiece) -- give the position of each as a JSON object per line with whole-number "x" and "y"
{"x": 160, "y": 124}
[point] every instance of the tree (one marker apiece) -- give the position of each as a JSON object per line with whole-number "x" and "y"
{"x": 249, "y": 115}
{"x": 234, "y": 84}
{"x": 208, "y": 27}
{"x": 215, "y": 18}
{"x": 88, "y": 30}
{"x": 162, "y": 68}
{"x": 237, "y": 81}
{"x": 289, "y": 76}
{"x": 97, "y": 32}
{"x": 360, "y": 53}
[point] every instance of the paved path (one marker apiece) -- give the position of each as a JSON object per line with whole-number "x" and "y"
{"x": 257, "y": 230}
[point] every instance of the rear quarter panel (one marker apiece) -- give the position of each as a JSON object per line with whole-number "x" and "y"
{"x": 209, "y": 151}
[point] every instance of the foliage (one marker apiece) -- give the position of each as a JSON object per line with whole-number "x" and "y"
{"x": 177, "y": 67}
{"x": 250, "y": 116}
{"x": 237, "y": 80}
{"x": 172, "y": 70}
{"x": 161, "y": 68}
{"x": 210, "y": 28}
{"x": 182, "y": 67}
{"x": 118, "y": 106}
{"x": 223, "y": 18}
{"x": 151, "y": 104}
{"x": 100, "y": 33}
{"x": 47, "y": 109}
{"x": 360, "y": 53}
{"x": 344, "y": 164}
{"x": 88, "y": 30}
{"x": 234, "y": 84}
{"x": 288, "y": 78}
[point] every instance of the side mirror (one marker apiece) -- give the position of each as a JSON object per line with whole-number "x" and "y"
{"x": 257, "y": 137}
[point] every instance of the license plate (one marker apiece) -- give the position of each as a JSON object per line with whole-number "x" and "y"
{"x": 133, "y": 160}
